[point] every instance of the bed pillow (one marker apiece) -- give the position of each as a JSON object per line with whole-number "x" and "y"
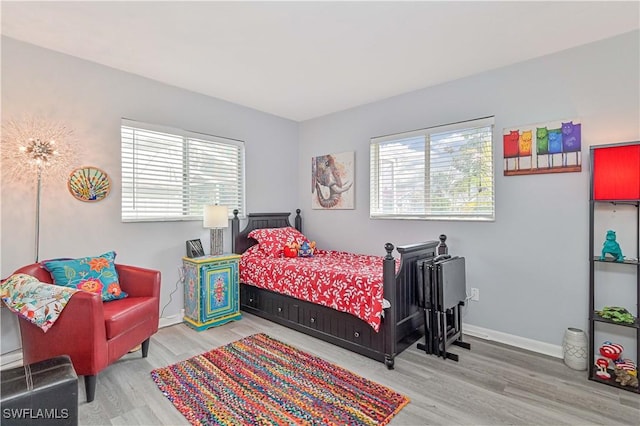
{"x": 96, "y": 274}
{"x": 272, "y": 240}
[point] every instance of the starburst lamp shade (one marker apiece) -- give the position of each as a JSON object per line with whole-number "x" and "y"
{"x": 33, "y": 148}
{"x": 216, "y": 218}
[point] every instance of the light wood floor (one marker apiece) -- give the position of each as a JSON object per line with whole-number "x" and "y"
{"x": 491, "y": 385}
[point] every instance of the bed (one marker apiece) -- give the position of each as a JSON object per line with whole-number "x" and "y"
{"x": 400, "y": 325}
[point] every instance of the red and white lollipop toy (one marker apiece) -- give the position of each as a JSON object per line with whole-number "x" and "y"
{"x": 611, "y": 350}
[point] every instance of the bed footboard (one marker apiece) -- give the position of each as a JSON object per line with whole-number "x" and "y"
{"x": 403, "y": 322}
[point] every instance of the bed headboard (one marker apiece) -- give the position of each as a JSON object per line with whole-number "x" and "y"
{"x": 239, "y": 239}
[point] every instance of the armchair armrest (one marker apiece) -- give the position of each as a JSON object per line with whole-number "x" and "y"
{"x": 78, "y": 332}
{"x": 36, "y": 270}
{"x": 139, "y": 282}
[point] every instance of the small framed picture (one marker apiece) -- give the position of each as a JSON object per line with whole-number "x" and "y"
{"x": 194, "y": 248}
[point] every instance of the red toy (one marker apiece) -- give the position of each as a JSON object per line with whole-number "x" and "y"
{"x": 291, "y": 249}
{"x": 603, "y": 364}
{"x": 611, "y": 350}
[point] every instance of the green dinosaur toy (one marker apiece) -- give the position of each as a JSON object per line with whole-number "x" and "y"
{"x": 617, "y": 314}
{"x": 612, "y": 247}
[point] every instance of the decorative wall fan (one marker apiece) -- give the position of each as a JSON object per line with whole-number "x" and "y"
{"x": 89, "y": 184}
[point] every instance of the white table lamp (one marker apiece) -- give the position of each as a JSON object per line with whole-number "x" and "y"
{"x": 216, "y": 218}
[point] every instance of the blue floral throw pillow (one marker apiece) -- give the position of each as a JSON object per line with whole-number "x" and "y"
{"x": 93, "y": 274}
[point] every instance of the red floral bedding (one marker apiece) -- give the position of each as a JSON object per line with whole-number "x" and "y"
{"x": 343, "y": 281}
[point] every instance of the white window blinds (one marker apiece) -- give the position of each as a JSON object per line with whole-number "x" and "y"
{"x": 443, "y": 172}
{"x": 170, "y": 174}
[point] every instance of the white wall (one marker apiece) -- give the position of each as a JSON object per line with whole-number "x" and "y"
{"x": 531, "y": 264}
{"x": 91, "y": 99}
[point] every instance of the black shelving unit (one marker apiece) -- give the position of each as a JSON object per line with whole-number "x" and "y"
{"x": 595, "y": 262}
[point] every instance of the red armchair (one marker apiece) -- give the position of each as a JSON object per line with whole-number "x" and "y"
{"x": 94, "y": 333}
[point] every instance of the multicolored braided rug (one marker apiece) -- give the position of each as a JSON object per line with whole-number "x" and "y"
{"x": 261, "y": 381}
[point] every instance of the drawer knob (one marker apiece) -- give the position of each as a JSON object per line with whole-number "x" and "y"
{"x": 312, "y": 320}
{"x": 279, "y": 309}
{"x": 356, "y": 334}
{"x": 250, "y": 300}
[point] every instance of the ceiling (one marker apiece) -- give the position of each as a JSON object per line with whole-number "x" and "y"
{"x": 302, "y": 60}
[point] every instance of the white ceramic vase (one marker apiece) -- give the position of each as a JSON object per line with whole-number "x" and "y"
{"x": 574, "y": 348}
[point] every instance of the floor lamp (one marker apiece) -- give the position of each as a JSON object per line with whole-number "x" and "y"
{"x": 216, "y": 218}
{"x": 36, "y": 146}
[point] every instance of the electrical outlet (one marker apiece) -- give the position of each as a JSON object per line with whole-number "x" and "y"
{"x": 475, "y": 294}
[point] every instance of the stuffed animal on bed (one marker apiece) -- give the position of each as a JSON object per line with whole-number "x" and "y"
{"x": 307, "y": 249}
{"x": 291, "y": 249}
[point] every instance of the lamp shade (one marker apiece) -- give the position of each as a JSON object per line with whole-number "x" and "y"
{"x": 616, "y": 172}
{"x": 215, "y": 217}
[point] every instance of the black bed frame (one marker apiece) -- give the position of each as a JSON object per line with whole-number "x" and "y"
{"x": 403, "y": 322}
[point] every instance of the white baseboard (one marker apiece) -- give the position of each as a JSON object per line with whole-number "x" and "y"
{"x": 172, "y": 320}
{"x": 513, "y": 340}
{"x": 11, "y": 359}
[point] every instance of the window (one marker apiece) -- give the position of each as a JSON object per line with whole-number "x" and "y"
{"x": 170, "y": 174}
{"x": 443, "y": 172}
